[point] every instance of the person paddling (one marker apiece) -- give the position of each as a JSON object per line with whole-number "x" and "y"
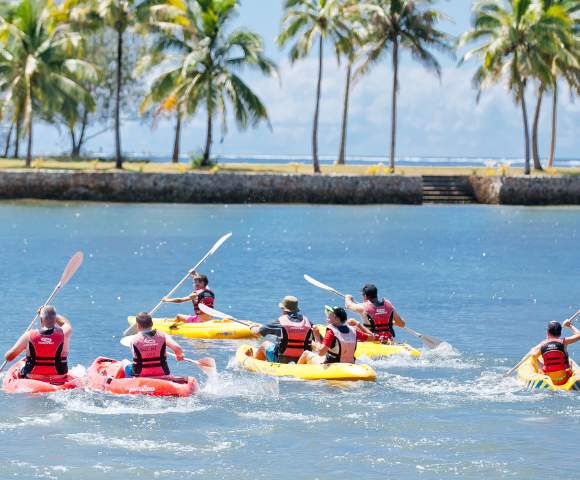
{"x": 554, "y": 354}
{"x": 46, "y": 348}
{"x": 149, "y": 350}
{"x": 378, "y": 316}
{"x": 293, "y": 332}
{"x": 339, "y": 343}
{"x": 201, "y": 294}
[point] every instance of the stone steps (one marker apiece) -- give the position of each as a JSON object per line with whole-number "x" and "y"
{"x": 447, "y": 190}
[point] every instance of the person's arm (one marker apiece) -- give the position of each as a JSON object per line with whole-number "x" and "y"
{"x": 359, "y": 326}
{"x": 273, "y": 328}
{"x": 323, "y": 348}
{"x": 175, "y": 347}
{"x": 353, "y": 306}
{"x": 574, "y": 338}
{"x": 18, "y": 348}
{"x": 65, "y": 324}
{"x": 190, "y": 298}
{"x": 397, "y": 320}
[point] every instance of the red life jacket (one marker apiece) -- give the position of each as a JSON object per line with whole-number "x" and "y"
{"x": 149, "y": 358}
{"x": 380, "y": 318}
{"x": 297, "y": 335}
{"x": 44, "y": 356}
{"x": 205, "y": 296}
{"x": 554, "y": 356}
{"x": 344, "y": 346}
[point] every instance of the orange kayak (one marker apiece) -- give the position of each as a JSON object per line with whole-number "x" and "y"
{"x": 12, "y": 382}
{"x": 108, "y": 375}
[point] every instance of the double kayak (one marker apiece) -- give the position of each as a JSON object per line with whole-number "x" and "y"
{"x": 108, "y": 375}
{"x": 216, "y": 329}
{"x": 333, "y": 371}
{"x": 13, "y": 383}
{"x": 534, "y": 379}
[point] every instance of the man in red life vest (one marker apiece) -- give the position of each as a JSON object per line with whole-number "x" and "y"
{"x": 554, "y": 354}
{"x": 339, "y": 343}
{"x": 292, "y": 330}
{"x": 200, "y": 294}
{"x": 378, "y": 316}
{"x": 149, "y": 350}
{"x": 46, "y": 348}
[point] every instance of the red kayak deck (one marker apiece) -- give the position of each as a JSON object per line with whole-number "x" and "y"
{"x": 12, "y": 382}
{"x": 108, "y": 375}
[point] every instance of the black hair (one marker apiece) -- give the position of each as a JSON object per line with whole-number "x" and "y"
{"x": 144, "y": 320}
{"x": 370, "y": 291}
{"x": 554, "y": 329}
{"x": 340, "y": 313}
{"x": 203, "y": 278}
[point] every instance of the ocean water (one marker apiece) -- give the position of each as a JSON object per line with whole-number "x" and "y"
{"x": 485, "y": 279}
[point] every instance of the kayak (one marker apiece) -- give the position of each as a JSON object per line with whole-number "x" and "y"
{"x": 332, "y": 371}
{"x": 377, "y": 350}
{"x": 108, "y": 375}
{"x": 12, "y": 382}
{"x": 529, "y": 374}
{"x": 215, "y": 329}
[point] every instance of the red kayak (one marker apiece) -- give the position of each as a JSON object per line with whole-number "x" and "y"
{"x": 12, "y": 382}
{"x": 108, "y": 375}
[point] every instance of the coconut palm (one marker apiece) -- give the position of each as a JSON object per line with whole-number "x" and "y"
{"x": 304, "y": 23}
{"x": 204, "y": 65}
{"x": 513, "y": 38}
{"x": 402, "y": 25}
{"x": 39, "y": 65}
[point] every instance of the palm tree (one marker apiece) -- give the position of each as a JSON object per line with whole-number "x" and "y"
{"x": 305, "y": 22}
{"x": 396, "y": 26}
{"x": 514, "y": 37}
{"x": 204, "y": 64}
{"x": 39, "y": 66}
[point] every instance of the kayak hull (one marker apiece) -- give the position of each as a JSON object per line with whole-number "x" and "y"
{"x": 528, "y": 374}
{"x": 108, "y": 375}
{"x": 12, "y": 382}
{"x": 216, "y": 329}
{"x": 334, "y": 371}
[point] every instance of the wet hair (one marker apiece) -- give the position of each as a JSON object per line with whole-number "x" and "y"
{"x": 370, "y": 291}
{"x": 144, "y": 320}
{"x": 203, "y": 278}
{"x": 554, "y": 329}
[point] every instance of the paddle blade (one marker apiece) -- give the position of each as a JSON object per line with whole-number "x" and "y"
{"x": 427, "y": 340}
{"x": 213, "y": 313}
{"x": 126, "y": 341}
{"x": 219, "y": 243}
{"x": 207, "y": 365}
{"x": 321, "y": 285}
{"x": 71, "y": 267}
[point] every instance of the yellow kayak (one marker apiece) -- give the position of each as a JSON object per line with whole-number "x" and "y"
{"x": 528, "y": 373}
{"x": 377, "y": 350}
{"x": 333, "y": 371}
{"x": 215, "y": 329}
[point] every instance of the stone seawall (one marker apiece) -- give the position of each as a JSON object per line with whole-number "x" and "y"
{"x": 210, "y": 187}
{"x": 527, "y": 190}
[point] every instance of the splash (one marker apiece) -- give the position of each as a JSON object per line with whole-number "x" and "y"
{"x": 227, "y": 385}
{"x": 40, "y": 421}
{"x": 270, "y": 416}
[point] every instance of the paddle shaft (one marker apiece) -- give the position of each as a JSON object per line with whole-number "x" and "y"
{"x": 217, "y": 314}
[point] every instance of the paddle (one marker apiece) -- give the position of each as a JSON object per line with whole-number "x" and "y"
{"x": 217, "y": 314}
{"x": 71, "y": 267}
{"x": 207, "y": 364}
{"x": 427, "y": 340}
{"x": 133, "y": 328}
{"x": 527, "y": 355}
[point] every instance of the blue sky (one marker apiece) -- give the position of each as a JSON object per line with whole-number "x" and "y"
{"x": 436, "y": 118}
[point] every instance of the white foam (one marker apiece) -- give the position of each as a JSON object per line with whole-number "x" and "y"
{"x": 39, "y": 421}
{"x": 283, "y": 416}
{"x": 227, "y": 385}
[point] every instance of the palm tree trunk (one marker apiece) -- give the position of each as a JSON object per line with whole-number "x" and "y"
{"x": 81, "y": 140}
{"x": 394, "y": 103}
{"x": 8, "y": 138}
{"x": 118, "y": 154}
{"x": 554, "y": 126}
{"x": 177, "y": 138}
{"x": 315, "y": 162}
{"x": 526, "y": 135}
{"x": 342, "y": 153}
{"x": 73, "y": 141}
{"x": 29, "y": 147}
{"x": 17, "y": 139}
{"x": 535, "y": 128}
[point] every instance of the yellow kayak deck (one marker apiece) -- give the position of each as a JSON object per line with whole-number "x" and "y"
{"x": 534, "y": 379}
{"x": 216, "y": 329}
{"x": 333, "y": 371}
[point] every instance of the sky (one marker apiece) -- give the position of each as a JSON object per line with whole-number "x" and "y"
{"x": 437, "y": 118}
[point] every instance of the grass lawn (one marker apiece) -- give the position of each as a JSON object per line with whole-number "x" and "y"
{"x": 380, "y": 169}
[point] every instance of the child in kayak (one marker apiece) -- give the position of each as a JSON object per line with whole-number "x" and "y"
{"x": 46, "y": 348}
{"x": 293, "y": 332}
{"x": 339, "y": 343}
{"x": 201, "y": 294}
{"x": 554, "y": 354}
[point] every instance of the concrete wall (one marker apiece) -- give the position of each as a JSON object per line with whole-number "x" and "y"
{"x": 210, "y": 188}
